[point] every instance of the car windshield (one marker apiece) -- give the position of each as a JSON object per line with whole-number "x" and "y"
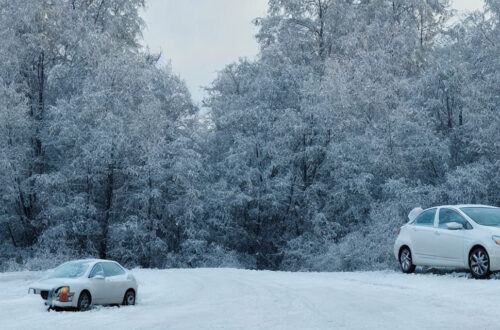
{"x": 486, "y": 216}
{"x": 71, "y": 269}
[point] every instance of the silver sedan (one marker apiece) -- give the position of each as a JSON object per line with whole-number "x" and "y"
{"x": 82, "y": 283}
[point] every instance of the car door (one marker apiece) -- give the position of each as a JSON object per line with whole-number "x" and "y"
{"x": 99, "y": 286}
{"x": 422, "y": 236}
{"x": 449, "y": 244}
{"x": 116, "y": 279}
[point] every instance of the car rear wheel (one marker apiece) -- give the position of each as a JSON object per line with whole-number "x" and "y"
{"x": 479, "y": 263}
{"x": 84, "y": 301}
{"x": 129, "y": 298}
{"x": 405, "y": 261}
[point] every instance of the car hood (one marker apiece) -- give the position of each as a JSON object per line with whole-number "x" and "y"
{"x": 54, "y": 283}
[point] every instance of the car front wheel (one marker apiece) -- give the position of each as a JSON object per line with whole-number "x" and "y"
{"x": 129, "y": 298}
{"x": 405, "y": 261}
{"x": 84, "y": 301}
{"x": 479, "y": 263}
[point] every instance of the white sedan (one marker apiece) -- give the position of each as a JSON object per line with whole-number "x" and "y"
{"x": 81, "y": 283}
{"x": 458, "y": 236}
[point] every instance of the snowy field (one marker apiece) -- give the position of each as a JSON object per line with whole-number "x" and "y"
{"x": 238, "y": 299}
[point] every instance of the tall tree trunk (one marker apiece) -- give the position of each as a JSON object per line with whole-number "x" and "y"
{"x": 11, "y": 234}
{"x": 39, "y": 114}
{"x": 103, "y": 249}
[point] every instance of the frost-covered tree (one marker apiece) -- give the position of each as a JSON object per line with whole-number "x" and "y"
{"x": 318, "y": 118}
{"x": 90, "y": 133}
{"x": 310, "y": 157}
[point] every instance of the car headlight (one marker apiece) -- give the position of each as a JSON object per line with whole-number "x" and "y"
{"x": 496, "y": 239}
{"x": 63, "y": 294}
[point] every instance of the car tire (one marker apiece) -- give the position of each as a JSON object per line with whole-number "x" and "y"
{"x": 129, "y": 298}
{"x": 405, "y": 261}
{"x": 479, "y": 263}
{"x": 84, "y": 301}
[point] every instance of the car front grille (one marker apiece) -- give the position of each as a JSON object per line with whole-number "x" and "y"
{"x": 44, "y": 294}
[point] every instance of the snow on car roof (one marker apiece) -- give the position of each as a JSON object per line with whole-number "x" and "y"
{"x": 458, "y": 206}
{"x": 91, "y": 260}
{"x": 468, "y": 205}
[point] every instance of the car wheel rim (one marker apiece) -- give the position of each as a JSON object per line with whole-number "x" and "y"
{"x": 405, "y": 260}
{"x": 479, "y": 262}
{"x": 130, "y": 299}
{"x": 84, "y": 303}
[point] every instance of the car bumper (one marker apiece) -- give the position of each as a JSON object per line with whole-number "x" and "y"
{"x": 397, "y": 246}
{"x": 52, "y": 301}
{"x": 494, "y": 254}
{"x": 57, "y": 303}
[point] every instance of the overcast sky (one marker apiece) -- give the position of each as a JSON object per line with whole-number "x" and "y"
{"x": 200, "y": 37}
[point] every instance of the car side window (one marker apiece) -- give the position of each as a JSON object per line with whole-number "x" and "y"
{"x": 112, "y": 269}
{"x": 449, "y": 215}
{"x": 97, "y": 270}
{"x": 426, "y": 218}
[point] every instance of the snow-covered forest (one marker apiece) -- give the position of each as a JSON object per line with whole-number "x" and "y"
{"x": 308, "y": 158}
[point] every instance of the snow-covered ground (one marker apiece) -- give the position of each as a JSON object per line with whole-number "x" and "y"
{"x": 238, "y": 299}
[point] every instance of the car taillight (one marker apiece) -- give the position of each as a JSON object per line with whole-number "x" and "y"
{"x": 399, "y": 231}
{"x": 63, "y": 294}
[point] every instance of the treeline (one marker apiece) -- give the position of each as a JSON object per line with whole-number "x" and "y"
{"x": 310, "y": 158}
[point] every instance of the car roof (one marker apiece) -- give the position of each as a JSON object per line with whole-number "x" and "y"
{"x": 92, "y": 261}
{"x": 459, "y": 206}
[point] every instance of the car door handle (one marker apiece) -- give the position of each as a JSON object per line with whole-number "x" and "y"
{"x": 437, "y": 233}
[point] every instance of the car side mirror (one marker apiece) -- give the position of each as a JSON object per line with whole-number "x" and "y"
{"x": 454, "y": 226}
{"x": 98, "y": 277}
